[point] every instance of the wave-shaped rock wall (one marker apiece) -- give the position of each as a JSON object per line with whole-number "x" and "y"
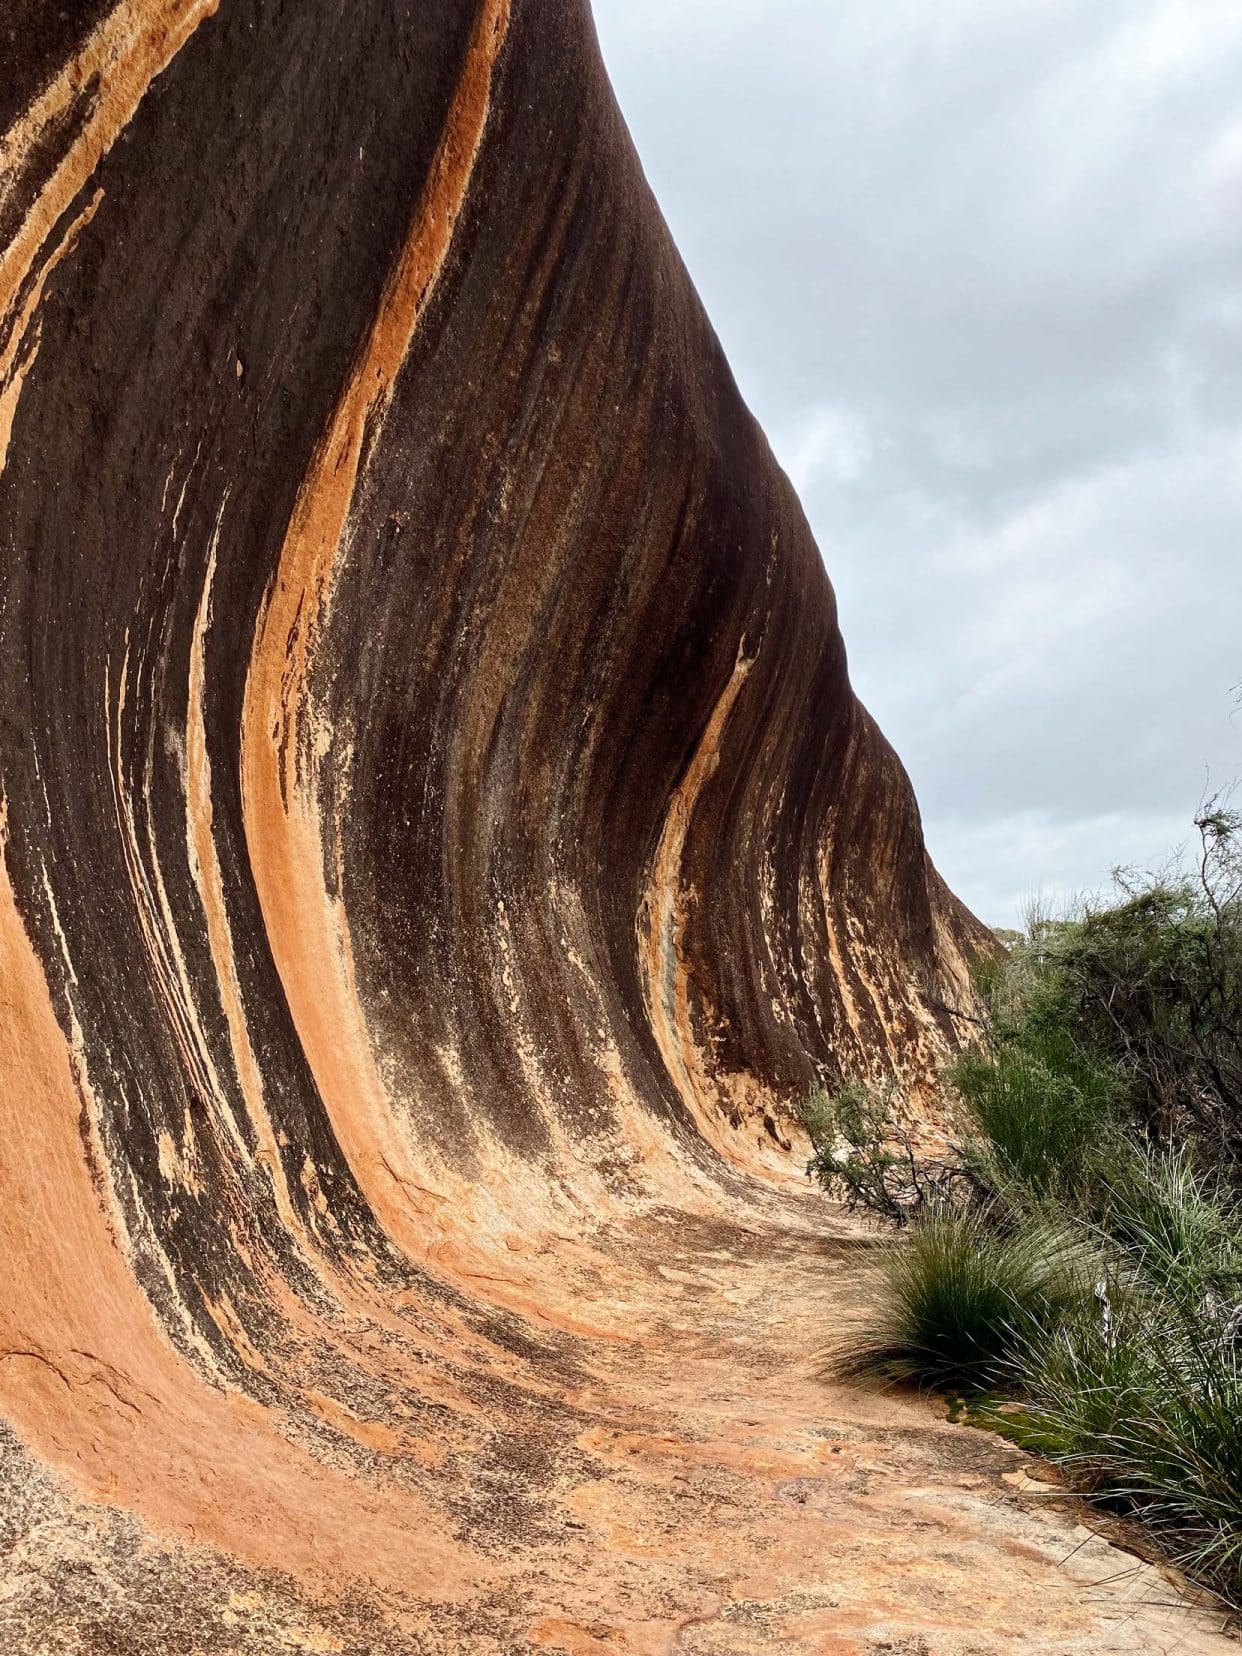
{"x": 436, "y": 818}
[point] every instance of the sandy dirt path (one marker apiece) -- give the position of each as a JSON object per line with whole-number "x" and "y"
{"x": 699, "y": 1485}
{"x": 752, "y": 1503}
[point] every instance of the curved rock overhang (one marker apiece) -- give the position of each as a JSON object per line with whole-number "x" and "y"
{"x": 436, "y": 818}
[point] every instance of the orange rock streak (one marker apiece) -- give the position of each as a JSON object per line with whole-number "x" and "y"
{"x": 306, "y": 926}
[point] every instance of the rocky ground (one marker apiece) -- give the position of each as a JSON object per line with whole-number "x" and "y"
{"x": 721, "y": 1493}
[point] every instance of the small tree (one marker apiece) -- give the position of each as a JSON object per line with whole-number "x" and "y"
{"x": 863, "y": 1153}
{"x": 1155, "y": 982}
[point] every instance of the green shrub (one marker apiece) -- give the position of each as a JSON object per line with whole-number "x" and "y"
{"x": 862, "y": 1153}
{"x": 1149, "y": 1415}
{"x": 1153, "y": 983}
{"x": 853, "y": 1144}
{"x": 1176, "y": 1226}
{"x": 1041, "y": 1111}
{"x": 1082, "y": 1264}
{"x": 817, "y": 1113}
{"x": 961, "y": 1297}
{"x": 1080, "y": 1379}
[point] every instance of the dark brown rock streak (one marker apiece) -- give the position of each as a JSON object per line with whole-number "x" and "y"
{"x": 438, "y": 830}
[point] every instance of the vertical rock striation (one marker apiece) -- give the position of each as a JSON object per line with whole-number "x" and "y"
{"x": 436, "y": 820}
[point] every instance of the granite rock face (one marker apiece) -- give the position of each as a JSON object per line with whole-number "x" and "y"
{"x": 437, "y": 823}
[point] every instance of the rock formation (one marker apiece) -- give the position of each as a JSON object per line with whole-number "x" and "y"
{"x": 439, "y": 839}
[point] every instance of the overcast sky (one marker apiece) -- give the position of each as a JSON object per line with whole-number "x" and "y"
{"x": 978, "y": 269}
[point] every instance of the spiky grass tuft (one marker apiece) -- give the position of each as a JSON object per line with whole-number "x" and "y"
{"x": 962, "y": 1296}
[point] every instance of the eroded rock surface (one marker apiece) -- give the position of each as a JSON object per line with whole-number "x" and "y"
{"x": 439, "y": 841}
